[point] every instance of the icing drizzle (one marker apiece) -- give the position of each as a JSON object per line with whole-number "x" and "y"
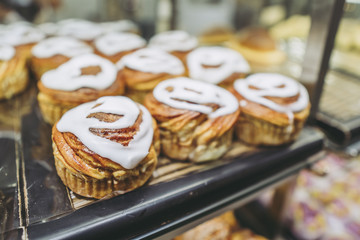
{"x": 174, "y": 41}
{"x": 113, "y": 43}
{"x": 20, "y": 34}
{"x": 66, "y": 46}
{"x": 7, "y": 52}
{"x": 152, "y": 60}
{"x": 190, "y": 94}
{"x": 273, "y": 85}
{"x": 215, "y": 64}
{"x": 68, "y": 76}
{"x": 75, "y": 121}
{"x": 80, "y": 29}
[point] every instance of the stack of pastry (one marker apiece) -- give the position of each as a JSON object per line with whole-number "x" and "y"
{"x": 79, "y": 80}
{"x": 52, "y": 52}
{"x": 217, "y": 65}
{"x": 195, "y": 118}
{"x": 105, "y": 147}
{"x": 145, "y": 68}
{"x": 177, "y": 42}
{"x": 273, "y": 107}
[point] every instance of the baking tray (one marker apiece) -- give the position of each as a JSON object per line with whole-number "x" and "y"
{"x": 178, "y": 196}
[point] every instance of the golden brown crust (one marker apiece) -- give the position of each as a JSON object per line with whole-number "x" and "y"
{"x": 82, "y": 170}
{"x": 13, "y": 76}
{"x": 41, "y": 65}
{"x": 185, "y": 134}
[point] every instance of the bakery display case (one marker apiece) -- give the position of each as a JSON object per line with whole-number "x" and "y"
{"x": 35, "y": 204}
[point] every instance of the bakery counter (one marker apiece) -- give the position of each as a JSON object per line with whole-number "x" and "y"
{"x": 178, "y": 196}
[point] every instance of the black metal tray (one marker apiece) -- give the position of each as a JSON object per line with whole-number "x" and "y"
{"x": 179, "y": 195}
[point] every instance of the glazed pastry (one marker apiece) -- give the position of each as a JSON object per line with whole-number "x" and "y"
{"x": 217, "y": 65}
{"x": 80, "y": 29}
{"x": 52, "y": 52}
{"x": 123, "y": 25}
{"x": 273, "y": 107}
{"x": 22, "y": 36}
{"x": 48, "y": 28}
{"x": 257, "y": 46}
{"x": 145, "y": 68}
{"x": 195, "y": 118}
{"x": 114, "y": 46}
{"x": 177, "y": 42}
{"x": 13, "y": 72}
{"x": 104, "y": 146}
{"x": 79, "y": 80}
{"x": 216, "y": 36}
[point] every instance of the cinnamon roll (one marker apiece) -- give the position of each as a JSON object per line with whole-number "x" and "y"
{"x": 217, "y": 65}
{"x": 81, "y": 79}
{"x": 195, "y": 118}
{"x": 115, "y": 45}
{"x": 80, "y": 29}
{"x": 105, "y": 147}
{"x": 273, "y": 107}
{"x": 177, "y": 42}
{"x": 124, "y": 26}
{"x": 145, "y": 68}
{"x": 258, "y": 47}
{"x": 52, "y": 52}
{"x": 13, "y": 72}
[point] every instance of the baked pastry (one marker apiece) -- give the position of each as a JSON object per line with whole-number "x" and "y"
{"x": 48, "y": 28}
{"x": 195, "y": 118}
{"x": 217, "y": 65}
{"x": 145, "y": 68}
{"x": 115, "y": 45}
{"x": 273, "y": 107}
{"x": 105, "y": 146}
{"x": 123, "y": 25}
{"x": 52, "y": 52}
{"x": 13, "y": 72}
{"x": 220, "y": 228}
{"x": 177, "y": 42}
{"x": 257, "y": 46}
{"x": 23, "y": 36}
{"x": 79, "y": 80}
{"x": 80, "y": 29}
{"x": 216, "y": 36}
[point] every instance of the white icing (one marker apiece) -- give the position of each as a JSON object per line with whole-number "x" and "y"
{"x": 273, "y": 85}
{"x": 119, "y": 26}
{"x": 174, "y": 41}
{"x": 66, "y": 46}
{"x": 7, "y": 52}
{"x": 190, "y": 94}
{"x": 222, "y": 62}
{"x": 48, "y": 28}
{"x": 20, "y": 34}
{"x": 76, "y": 122}
{"x": 67, "y": 77}
{"x": 80, "y": 29}
{"x": 116, "y": 42}
{"x": 152, "y": 60}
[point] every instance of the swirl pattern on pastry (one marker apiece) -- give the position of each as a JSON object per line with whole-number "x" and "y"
{"x": 20, "y": 34}
{"x": 113, "y": 43}
{"x": 174, "y": 41}
{"x": 215, "y": 64}
{"x": 7, "y": 52}
{"x": 153, "y": 61}
{"x": 188, "y": 94}
{"x": 66, "y": 46}
{"x": 69, "y": 76}
{"x": 260, "y": 87}
{"x": 80, "y": 29}
{"x": 132, "y": 122}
